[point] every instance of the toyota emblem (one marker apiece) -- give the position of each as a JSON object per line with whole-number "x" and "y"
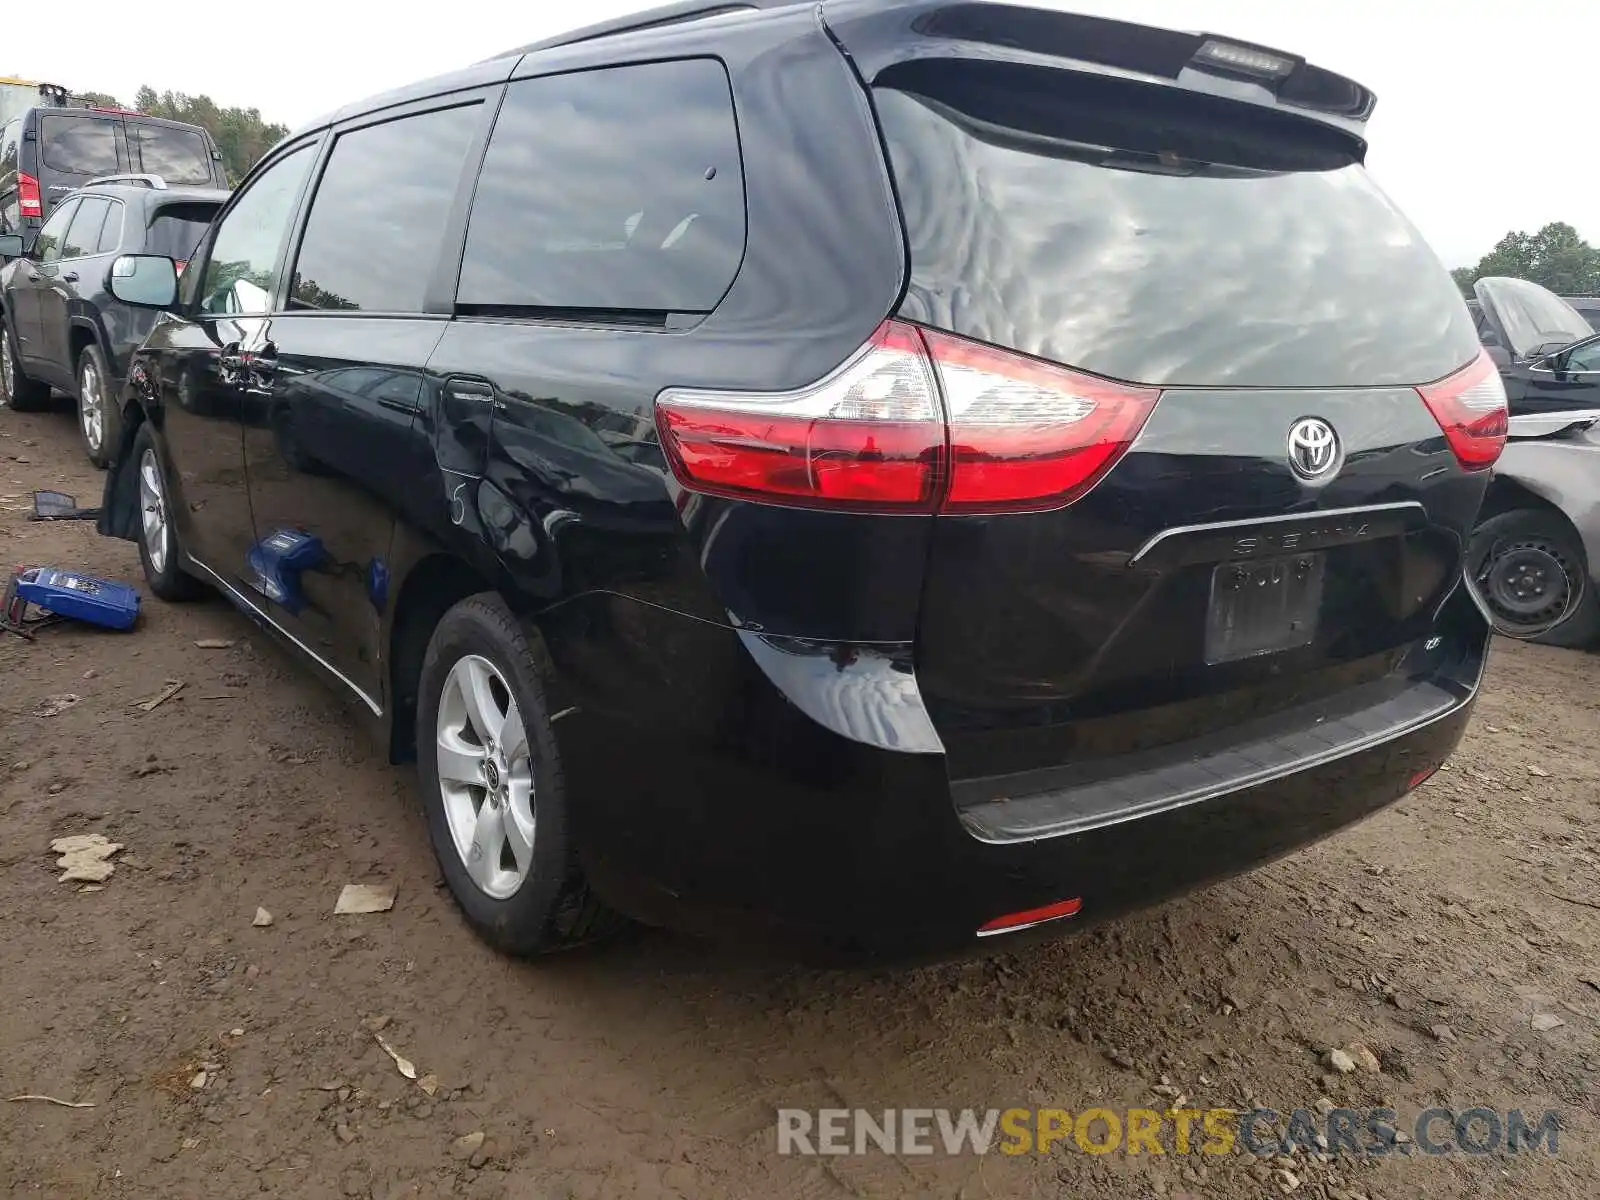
{"x": 1313, "y": 449}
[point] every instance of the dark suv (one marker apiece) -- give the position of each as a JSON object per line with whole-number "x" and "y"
{"x": 59, "y": 326}
{"x": 48, "y": 153}
{"x": 832, "y": 472}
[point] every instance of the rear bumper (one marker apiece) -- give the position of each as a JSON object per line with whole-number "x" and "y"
{"x": 720, "y": 808}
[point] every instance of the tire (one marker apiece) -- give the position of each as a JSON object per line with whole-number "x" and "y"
{"x": 99, "y": 412}
{"x": 1542, "y": 547}
{"x": 17, "y": 391}
{"x": 498, "y": 817}
{"x": 158, "y": 540}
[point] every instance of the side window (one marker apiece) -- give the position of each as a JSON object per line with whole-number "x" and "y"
{"x": 378, "y": 218}
{"x": 79, "y": 145}
{"x": 111, "y": 231}
{"x": 1585, "y": 357}
{"x": 47, "y": 247}
{"x": 10, "y": 213}
{"x": 84, "y": 232}
{"x": 240, "y": 275}
{"x": 616, "y": 189}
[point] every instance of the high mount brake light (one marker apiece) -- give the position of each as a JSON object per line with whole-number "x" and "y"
{"x": 1470, "y": 407}
{"x": 915, "y": 421}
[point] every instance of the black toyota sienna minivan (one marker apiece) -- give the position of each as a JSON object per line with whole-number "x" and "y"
{"x": 880, "y": 476}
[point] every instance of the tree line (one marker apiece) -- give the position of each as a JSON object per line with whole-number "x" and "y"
{"x": 1555, "y": 258}
{"x": 240, "y": 133}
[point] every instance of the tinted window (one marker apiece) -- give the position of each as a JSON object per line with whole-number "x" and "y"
{"x": 47, "y": 247}
{"x": 84, "y": 233}
{"x": 378, "y": 220}
{"x": 610, "y": 189}
{"x": 180, "y": 156}
{"x": 177, "y": 229}
{"x": 1099, "y": 224}
{"x": 111, "y": 231}
{"x": 240, "y": 275}
{"x": 79, "y": 145}
{"x": 1585, "y": 358}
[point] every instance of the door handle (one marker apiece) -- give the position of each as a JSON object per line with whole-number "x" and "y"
{"x": 263, "y": 367}
{"x": 229, "y": 363}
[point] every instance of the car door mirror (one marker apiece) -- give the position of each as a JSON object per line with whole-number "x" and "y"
{"x": 10, "y": 245}
{"x": 144, "y": 280}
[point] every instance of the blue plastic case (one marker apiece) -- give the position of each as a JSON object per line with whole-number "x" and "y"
{"x": 81, "y": 597}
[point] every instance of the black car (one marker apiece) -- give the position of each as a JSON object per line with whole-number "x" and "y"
{"x": 48, "y": 153}
{"x": 59, "y": 326}
{"x": 1046, "y": 485}
{"x": 1546, "y": 350}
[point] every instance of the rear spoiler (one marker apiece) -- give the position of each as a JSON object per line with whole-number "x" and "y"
{"x": 881, "y": 33}
{"x": 1532, "y": 427}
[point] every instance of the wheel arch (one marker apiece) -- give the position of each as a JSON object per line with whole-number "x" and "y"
{"x": 82, "y": 332}
{"x": 435, "y": 582}
{"x": 1508, "y": 493}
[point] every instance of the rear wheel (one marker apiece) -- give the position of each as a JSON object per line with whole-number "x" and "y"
{"x": 1529, "y": 563}
{"x": 16, "y": 389}
{"x": 158, "y": 540}
{"x": 493, "y": 788}
{"x": 99, "y": 417}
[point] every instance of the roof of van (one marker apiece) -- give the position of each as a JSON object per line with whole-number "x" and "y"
{"x": 1339, "y": 99}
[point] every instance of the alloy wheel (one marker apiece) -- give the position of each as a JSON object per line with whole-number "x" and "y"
{"x": 91, "y": 405}
{"x": 486, "y": 777}
{"x": 153, "y": 510}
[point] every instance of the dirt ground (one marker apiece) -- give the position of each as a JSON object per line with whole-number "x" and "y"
{"x": 228, "y": 1060}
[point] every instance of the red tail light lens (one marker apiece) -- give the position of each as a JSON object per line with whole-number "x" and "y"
{"x": 867, "y": 436}
{"x": 28, "y": 196}
{"x": 1470, "y": 407}
{"x": 1012, "y": 434}
{"x": 1012, "y": 922}
{"x": 1026, "y": 434}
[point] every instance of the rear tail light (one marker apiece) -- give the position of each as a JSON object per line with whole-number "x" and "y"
{"x": 915, "y": 421}
{"x": 867, "y": 436}
{"x": 1470, "y": 407}
{"x": 28, "y": 195}
{"x": 1026, "y": 434}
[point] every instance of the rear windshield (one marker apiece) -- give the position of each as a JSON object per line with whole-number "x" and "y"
{"x": 180, "y": 156}
{"x": 1098, "y": 224}
{"x": 79, "y": 145}
{"x": 176, "y": 230}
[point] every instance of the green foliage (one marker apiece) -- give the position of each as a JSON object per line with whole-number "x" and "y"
{"x": 1555, "y": 257}
{"x": 240, "y": 133}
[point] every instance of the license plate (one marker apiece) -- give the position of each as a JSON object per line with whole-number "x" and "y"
{"x": 1262, "y": 607}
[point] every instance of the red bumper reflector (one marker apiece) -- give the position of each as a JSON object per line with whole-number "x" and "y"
{"x": 1012, "y": 922}
{"x": 1421, "y": 777}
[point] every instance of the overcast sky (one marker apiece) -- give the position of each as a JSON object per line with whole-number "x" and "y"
{"x": 1478, "y": 100}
